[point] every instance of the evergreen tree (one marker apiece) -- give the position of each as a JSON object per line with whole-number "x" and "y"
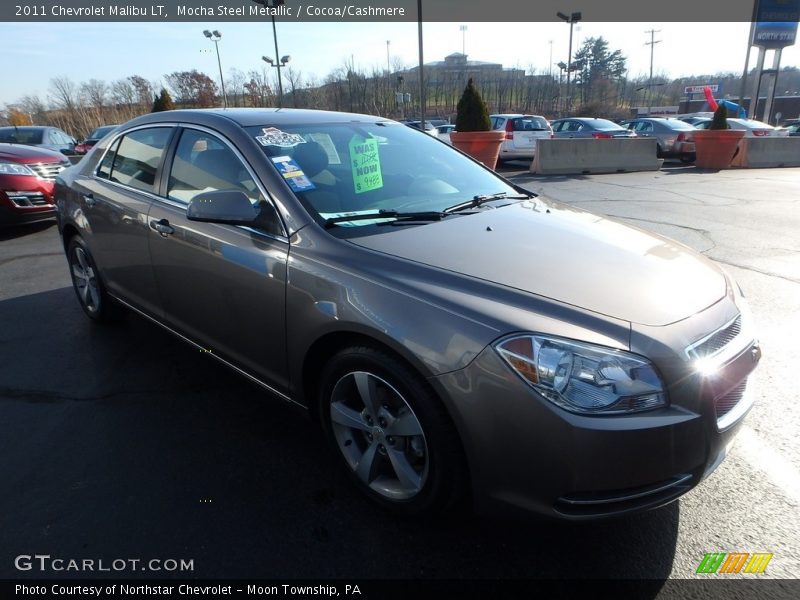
{"x": 472, "y": 115}
{"x": 163, "y": 102}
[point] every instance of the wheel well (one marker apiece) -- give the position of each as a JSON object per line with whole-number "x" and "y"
{"x": 330, "y": 344}
{"x": 68, "y": 233}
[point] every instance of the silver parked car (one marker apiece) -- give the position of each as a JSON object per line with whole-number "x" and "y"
{"x": 673, "y": 137}
{"x": 459, "y": 338}
{"x": 584, "y": 127}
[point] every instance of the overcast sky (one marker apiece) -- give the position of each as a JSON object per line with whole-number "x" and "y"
{"x": 34, "y": 53}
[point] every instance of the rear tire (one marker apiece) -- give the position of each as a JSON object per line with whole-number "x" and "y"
{"x": 88, "y": 285}
{"x": 391, "y": 434}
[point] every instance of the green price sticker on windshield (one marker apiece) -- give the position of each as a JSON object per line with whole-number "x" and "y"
{"x": 365, "y": 164}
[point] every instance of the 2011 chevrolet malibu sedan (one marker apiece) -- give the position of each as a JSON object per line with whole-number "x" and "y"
{"x": 458, "y": 338}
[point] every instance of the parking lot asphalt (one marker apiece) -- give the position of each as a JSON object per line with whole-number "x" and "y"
{"x": 121, "y": 442}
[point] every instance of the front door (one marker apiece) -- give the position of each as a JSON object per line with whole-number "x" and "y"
{"x": 222, "y": 286}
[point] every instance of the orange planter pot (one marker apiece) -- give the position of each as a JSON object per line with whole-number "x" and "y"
{"x": 483, "y": 146}
{"x": 715, "y": 148}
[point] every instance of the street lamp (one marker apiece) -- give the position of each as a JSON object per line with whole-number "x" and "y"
{"x": 571, "y": 19}
{"x": 274, "y": 4}
{"x": 215, "y": 36}
{"x": 562, "y": 68}
{"x": 284, "y": 59}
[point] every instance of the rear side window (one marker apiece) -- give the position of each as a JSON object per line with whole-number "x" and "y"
{"x": 135, "y": 158}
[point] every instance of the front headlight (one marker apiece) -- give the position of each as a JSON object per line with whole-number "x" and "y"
{"x": 15, "y": 169}
{"x": 584, "y": 378}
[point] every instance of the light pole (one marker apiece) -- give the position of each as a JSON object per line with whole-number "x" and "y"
{"x": 274, "y": 4}
{"x": 562, "y": 67}
{"x": 278, "y": 65}
{"x": 571, "y": 19}
{"x": 215, "y": 36}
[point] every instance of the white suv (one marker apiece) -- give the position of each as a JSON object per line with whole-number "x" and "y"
{"x": 522, "y": 131}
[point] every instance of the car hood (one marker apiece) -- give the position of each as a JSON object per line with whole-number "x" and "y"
{"x": 20, "y": 153}
{"x": 565, "y": 254}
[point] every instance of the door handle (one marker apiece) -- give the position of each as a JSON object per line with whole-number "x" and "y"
{"x": 89, "y": 200}
{"x": 162, "y": 227}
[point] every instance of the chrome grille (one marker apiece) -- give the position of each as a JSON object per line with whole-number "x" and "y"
{"x": 717, "y": 340}
{"x": 48, "y": 170}
{"x": 27, "y": 199}
{"x": 727, "y": 402}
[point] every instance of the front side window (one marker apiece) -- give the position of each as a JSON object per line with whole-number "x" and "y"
{"x": 203, "y": 163}
{"x": 136, "y": 159}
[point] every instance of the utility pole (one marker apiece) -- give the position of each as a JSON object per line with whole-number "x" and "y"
{"x": 388, "y": 66}
{"x": 652, "y": 43}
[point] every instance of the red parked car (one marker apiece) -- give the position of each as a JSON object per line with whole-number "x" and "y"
{"x": 27, "y": 177}
{"x": 94, "y": 137}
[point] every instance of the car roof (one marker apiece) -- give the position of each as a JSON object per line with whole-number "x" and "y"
{"x": 27, "y": 127}
{"x": 514, "y": 115}
{"x": 250, "y": 117}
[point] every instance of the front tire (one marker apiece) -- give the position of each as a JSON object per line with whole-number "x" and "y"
{"x": 391, "y": 433}
{"x": 88, "y": 286}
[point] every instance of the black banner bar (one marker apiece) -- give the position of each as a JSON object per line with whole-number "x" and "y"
{"x": 714, "y": 587}
{"x": 462, "y": 11}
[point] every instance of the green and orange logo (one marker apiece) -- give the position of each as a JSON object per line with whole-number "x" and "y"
{"x": 735, "y": 562}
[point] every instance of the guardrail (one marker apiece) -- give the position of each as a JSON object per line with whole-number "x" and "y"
{"x": 765, "y": 152}
{"x": 585, "y": 156}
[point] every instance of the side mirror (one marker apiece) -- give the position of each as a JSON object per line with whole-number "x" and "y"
{"x": 232, "y": 207}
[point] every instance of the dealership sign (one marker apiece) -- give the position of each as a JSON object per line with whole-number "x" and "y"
{"x": 698, "y": 89}
{"x": 776, "y": 23}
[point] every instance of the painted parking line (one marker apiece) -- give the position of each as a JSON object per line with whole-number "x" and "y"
{"x": 764, "y": 458}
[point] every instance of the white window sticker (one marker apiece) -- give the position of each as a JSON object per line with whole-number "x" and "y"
{"x": 272, "y": 136}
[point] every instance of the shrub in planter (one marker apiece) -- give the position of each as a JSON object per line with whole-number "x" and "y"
{"x": 716, "y": 146}
{"x": 473, "y": 134}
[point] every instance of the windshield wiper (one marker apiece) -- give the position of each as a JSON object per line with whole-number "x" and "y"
{"x": 483, "y": 199}
{"x": 387, "y": 214}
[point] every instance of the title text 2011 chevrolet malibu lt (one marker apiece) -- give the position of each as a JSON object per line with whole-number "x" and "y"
{"x": 457, "y": 336}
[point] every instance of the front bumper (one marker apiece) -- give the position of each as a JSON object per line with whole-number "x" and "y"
{"x": 25, "y": 207}
{"x": 527, "y": 455}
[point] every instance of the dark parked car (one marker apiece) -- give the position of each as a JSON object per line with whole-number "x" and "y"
{"x": 673, "y": 136}
{"x": 458, "y": 337}
{"x": 94, "y": 137}
{"x": 582, "y": 127}
{"x": 27, "y": 176}
{"x": 51, "y": 138}
{"x": 430, "y": 128}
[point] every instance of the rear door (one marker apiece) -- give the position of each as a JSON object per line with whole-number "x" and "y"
{"x": 115, "y": 201}
{"x": 222, "y": 286}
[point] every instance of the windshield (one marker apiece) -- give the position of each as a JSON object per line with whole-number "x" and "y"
{"x": 101, "y": 132}
{"x": 678, "y": 125}
{"x": 350, "y": 169}
{"x": 604, "y": 125}
{"x": 21, "y": 135}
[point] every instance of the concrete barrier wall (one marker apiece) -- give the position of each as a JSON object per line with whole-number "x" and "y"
{"x": 584, "y": 156}
{"x": 763, "y": 152}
